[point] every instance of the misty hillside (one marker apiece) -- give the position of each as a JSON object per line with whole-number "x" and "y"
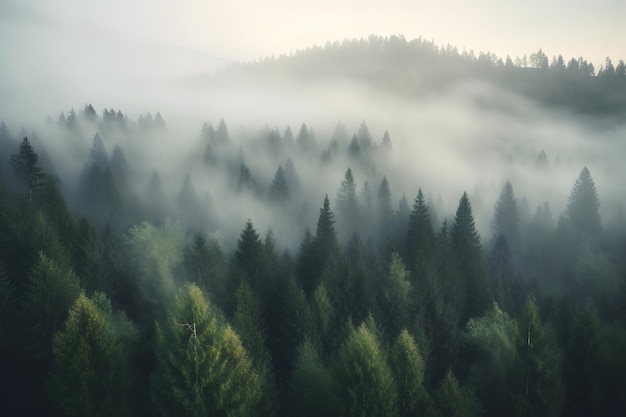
{"x": 376, "y": 227}
{"x": 419, "y": 67}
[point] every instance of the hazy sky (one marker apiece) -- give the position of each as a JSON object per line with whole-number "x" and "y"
{"x": 251, "y": 29}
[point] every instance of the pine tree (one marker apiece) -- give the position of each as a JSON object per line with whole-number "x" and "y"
{"x": 582, "y": 210}
{"x": 204, "y": 263}
{"x": 386, "y": 142}
{"x": 245, "y": 181}
{"x": 26, "y": 168}
{"x": 120, "y": 170}
{"x": 325, "y": 320}
{"x": 537, "y": 385}
{"x": 52, "y": 289}
{"x": 249, "y": 324}
{"x": 365, "y": 382}
{"x": 351, "y": 291}
{"x": 101, "y": 200}
{"x": 506, "y": 217}
{"x": 292, "y": 177}
{"x": 493, "y": 339}
{"x": 468, "y": 251}
{"x": 288, "y": 136}
{"x": 203, "y": 369}
{"x": 395, "y": 293}
{"x": 89, "y": 113}
{"x": 279, "y": 190}
{"x": 304, "y": 139}
{"x": 420, "y": 239}
{"x": 248, "y": 255}
{"x": 296, "y": 325}
{"x": 312, "y": 385}
{"x": 98, "y": 153}
{"x": 88, "y": 260}
{"x": 222, "y": 136}
{"x": 325, "y": 241}
{"x": 354, "y": 149}
{"x": 155, "y": 252}
{"x": 88, "y": 377}
{"x": 384, "y": 212}
{"x": 347, "y": 205}
{"x": 306, "y": 263}
{"x": 454, "y": 400}
{"x": 408, "y": 367}
{"x": 364, "y": 137}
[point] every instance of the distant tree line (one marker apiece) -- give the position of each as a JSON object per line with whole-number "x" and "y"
{"x": 417, "y": 66}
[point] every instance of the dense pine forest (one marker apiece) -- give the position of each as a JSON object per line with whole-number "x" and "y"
{"x": 336, "y": 268}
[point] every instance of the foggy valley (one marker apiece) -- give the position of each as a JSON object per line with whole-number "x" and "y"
{"x": 380, "y": 225}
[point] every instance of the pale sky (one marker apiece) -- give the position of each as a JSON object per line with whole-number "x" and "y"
{"x": 252, "y": 29}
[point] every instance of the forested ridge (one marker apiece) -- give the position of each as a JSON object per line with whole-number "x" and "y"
{"x": 421, "y": 67}
{"x": 460, "y": 261}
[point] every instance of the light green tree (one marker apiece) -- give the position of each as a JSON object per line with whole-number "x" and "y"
{"x": 396, "y": 295}
{"x": 203, "y": 368}
{"x": 537, "y": 383}
{"x": 408, "y": 366}
{"x": 365, "y": 383}
{"x": 454, "y": 400}
{"x": 88, "y": 377}
{"x": 493, "y": 337}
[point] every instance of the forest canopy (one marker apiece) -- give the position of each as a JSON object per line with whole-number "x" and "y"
{"x": 463, "y": 262}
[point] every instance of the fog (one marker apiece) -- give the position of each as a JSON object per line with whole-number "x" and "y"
{"x": 468, "y": 135}
{"x": 471, "y": 138}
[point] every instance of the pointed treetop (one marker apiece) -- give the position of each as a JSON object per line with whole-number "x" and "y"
{"x": 305, "y": 137}
{"x": 386, "y": 142}
{"x": 249, "y": 248}
{"x": 506, "y": 217}
{"x": 463, "y": 231}
{"x": 420, "y": 236}
{"x": 354, "y": 149}
{"x": 279, "y": 190}
{"x": 288, "y": 135}
{"x": 325, "y": 233}
{"x": 582, "y": 210}
{"x": 293, "y": 179}
{"x": 366, "y": 195}
{"x": 25, "y": 166}
{"x": 98, "y": 153}
{"x": 222, "y": 134}
{"x": 245, "y": 182}
{"x": 159, "y": 123}
{"x": 348, "y": 187}
{"x": 89, "y": 113}
{"x": 364, "y": 137}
